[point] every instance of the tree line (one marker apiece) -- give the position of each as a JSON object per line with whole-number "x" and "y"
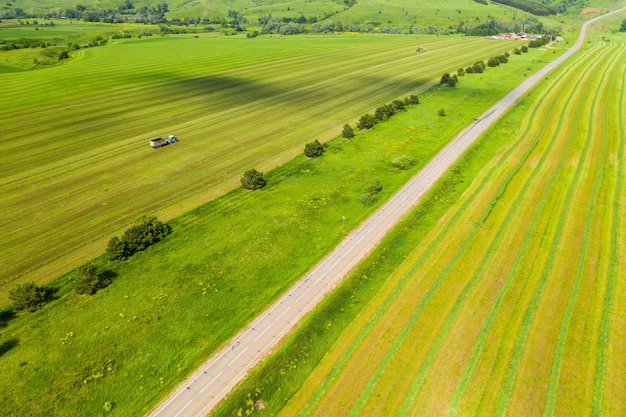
{"x": 89, "y": 277}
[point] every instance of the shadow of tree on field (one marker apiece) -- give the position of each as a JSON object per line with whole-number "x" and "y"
{"x": 6, "y": 316}
{"x": 7, "y": 345}
{"x": 106, "y": 277}
{"x": 227, "y": 89}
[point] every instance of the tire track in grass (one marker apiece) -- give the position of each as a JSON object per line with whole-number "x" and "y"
{"x": 605, "y": 321}
{"x": 357, "y": 408}
{"x": 507, "y": 389}
{"x": 482, "y": 337}
{"x": 338, "y": 368}
{"x": 569, "y": 309}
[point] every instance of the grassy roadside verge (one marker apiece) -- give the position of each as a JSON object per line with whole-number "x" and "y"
{"x": 224, "y": 263}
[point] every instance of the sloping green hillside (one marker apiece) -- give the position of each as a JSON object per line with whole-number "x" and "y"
{"x": 379, "y": 12}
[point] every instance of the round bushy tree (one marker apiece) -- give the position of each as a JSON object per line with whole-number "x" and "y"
{"x": 403, "y": 162}
{"x": 314, "y": 149}
{"x": 253, "y": 180}
{"x": 347, "y": 132}
{"x": 367, "y": 121}
{"x": 29, "y": 296}
{"x": 89, "y": 279}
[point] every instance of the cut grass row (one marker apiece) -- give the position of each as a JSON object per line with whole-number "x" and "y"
{"x": 580, "y": 270}
{"x": 487, "y": 334}
{"x": 78, "y": 168}
{"x": 169, "y": 307}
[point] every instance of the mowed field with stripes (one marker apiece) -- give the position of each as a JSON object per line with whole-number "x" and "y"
{"x": 76, "y": 164}
{"x": 515, "y": 304}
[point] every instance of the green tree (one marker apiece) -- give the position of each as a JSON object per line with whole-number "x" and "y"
{"x": 479, "y": 67}
{"x": 367, "y": 199}
{"x": 314, "y": 149}
{"x": 441, "y": 113}
{"x": 398, "y": 104}
{"x": 89, "y": 279}
{"x": 347, "y": 132}
{"x": 383, "y": 113}
{"x": 253, "y": 180}
{"x": 403, "y": 162}
{"x": 116, "y": 249}
{"x": 63, "y": 55}
{"x": 375, "y": 187}
{"x": 524, "y": 48}
{"x": 413, "y": 99}
{"x": 29, "y": 296}
{"x": 146, "y": 231}
{"x": 367, "y": 121}
{"x": 448, "y": 79}
{"x": 622, "y": 28}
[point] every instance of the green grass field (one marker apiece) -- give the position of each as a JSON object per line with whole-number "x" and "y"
{"x": 169, "y": 307}
{"x": 512, "y": 304}
{"x": 77, "y": 168}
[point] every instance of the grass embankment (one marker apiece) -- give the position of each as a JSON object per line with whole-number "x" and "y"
{"x": 169, "y": 307}
{"x": 77, "y": 168}
{"x": 514, "y": 295}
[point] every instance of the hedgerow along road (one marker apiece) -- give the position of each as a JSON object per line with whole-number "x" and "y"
{"x": 202, "y": 391}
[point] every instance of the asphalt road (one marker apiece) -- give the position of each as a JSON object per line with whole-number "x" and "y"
{"x": 197, "y": 395}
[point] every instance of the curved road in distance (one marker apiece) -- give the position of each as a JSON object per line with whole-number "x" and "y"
{"x": 202, "y": 391}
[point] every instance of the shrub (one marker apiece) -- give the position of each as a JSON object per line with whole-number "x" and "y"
{"x": 29, "y": 296}
{"x": 516, "y": 51}
{"x": 367, "y": 199}
{"x": 347, "y": 132}
{"x": 460, "y": 72}
{"x": 441, "y": 113}
{"x": 89, "y": 279}
{"x": 314, "y": 149}
{"x": 493, "y": 62}
{"x": 146, "y": 231}
{"x": 403, "y": 162}
{"x": 398, "y": 104}
{"x": 63, "y": 55}
{"x": 253, "y": 180}
{"x": 116, "y": 249}
{"x": 366, "y": 121}
{"x": 384, "y": 112}
{"x": 413, "y": 99}
{"x": 524, "y": 48}
{"x": 450, "y": 80}
{"x": 479, "y": 67}
{"x": 374, "y": 188}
